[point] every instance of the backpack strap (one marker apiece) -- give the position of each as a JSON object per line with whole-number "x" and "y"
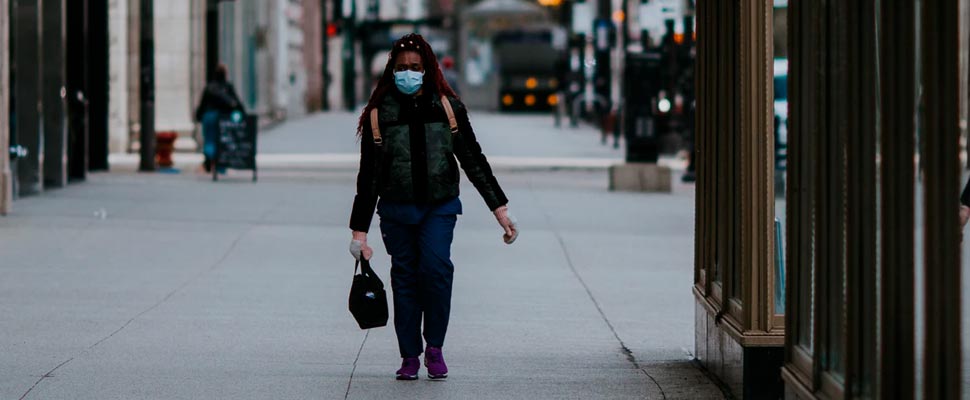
{"x": 375, "y": 127}
{"x": 451, "y": 114}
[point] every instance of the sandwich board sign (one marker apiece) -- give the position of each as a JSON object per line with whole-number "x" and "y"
{"x": 236, "y": 144}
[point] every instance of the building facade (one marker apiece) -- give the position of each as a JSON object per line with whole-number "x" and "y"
{"x": 73, "y": 82}
{"x": 851, "y": 284}
{"x": 262, "y": 43}
{"x": 179, "y": 69}
{"x": 55, "y": 101}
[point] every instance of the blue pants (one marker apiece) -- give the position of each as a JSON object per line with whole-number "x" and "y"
{"x": 418, "y": 239}
{"x": 210, "y": 130}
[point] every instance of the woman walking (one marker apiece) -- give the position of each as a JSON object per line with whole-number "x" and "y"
{"x": 411, "y": 132}
{"x": 218, "y": 100}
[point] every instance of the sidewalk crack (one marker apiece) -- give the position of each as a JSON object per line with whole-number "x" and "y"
{"x": 623, "y": 347}
{"x": 185, "y": 284}
{"x": 354, "y": 369}
{"x": 589, "y": 292}
{"x": 49, "y": 374}
{"x": 213, "y": 267}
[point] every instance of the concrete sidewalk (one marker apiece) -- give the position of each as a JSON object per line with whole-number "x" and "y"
{"x": 174, "y": 287}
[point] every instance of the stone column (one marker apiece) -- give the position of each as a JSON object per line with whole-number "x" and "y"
{"x": 26, "y": 94}
{"x": 54, "y": 93}
{"x": 97, "y": 91}
{"x": 118, "y": 118}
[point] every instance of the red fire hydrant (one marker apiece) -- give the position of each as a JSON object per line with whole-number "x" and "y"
{"x": 164, "y": 145}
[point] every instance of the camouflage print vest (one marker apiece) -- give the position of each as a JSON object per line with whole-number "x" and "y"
{"x": 393, "y": 139}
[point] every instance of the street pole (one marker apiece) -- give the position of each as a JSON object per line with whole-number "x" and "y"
{"x": 368, "y": 28}
{"x": 349, "y": 57}
{"x": 147, "y": 64}
{"x": 602, "y": 79}
{"x": 325, "y": 50}
{"x": 6, "y": 186}
{"x": 211, "y": 39}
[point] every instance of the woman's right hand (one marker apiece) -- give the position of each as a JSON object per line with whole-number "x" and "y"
{"x": 508, "y": 223}
{"x": 358, "y": 246}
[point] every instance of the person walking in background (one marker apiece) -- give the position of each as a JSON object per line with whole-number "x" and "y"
{"x": 451, "y": 76}
{"x": 409, "y": 172}
{"x": 219, "y": 99}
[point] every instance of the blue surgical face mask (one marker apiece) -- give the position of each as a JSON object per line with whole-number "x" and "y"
{"x": 408, "y": 82}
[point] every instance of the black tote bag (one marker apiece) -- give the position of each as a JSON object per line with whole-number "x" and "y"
{"x": 368, "y": 301}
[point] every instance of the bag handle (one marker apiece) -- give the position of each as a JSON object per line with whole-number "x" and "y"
{"x": 366, "y": 271}
{"x": 364, "y": 266}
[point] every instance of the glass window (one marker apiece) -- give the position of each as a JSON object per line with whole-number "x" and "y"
{"x": 780, "y": 107}
{"x": 781, "y": 79}
{"x": 806, "y": 298}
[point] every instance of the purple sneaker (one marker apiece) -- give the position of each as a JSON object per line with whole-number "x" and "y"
{"x": 409, "y": 369}
{"x": 435, "y": 363}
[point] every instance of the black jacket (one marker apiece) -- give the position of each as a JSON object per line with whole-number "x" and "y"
{"x": 419, "y": 158}
{"x": 219, "y": 96}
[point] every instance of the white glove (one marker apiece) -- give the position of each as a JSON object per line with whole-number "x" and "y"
{"x": 508, "y": 222}
{"x": 358, "y": 246}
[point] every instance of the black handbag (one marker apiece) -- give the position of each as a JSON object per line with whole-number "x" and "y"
{"x": 368, "y": 302}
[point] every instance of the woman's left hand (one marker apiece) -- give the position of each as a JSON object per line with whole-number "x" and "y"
{"x": 508, "y": 223}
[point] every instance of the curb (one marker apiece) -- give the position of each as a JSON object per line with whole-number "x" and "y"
{"x": 350, "y": 162}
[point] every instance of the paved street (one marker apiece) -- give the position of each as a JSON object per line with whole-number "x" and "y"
{"x": 158, "y": 286}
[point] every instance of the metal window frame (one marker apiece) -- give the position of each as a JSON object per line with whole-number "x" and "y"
{"x": 821, "y": 74}
{"x": 830, "y": 214}
{"x": 757, "y": 166}
{"x": 734, "y": 251}
{"x": 897, "y": 54}
{"x": 940, "y": 44}
{"x": 800, "y": 198}
{"x": 861, "y": 363}
{"x": 701, "y": 219}
{"x": 832, "y": 197}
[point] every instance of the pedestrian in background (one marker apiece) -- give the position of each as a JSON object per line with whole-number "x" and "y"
{"x": 409, "y": 171}
{"x": 219, "y": 100}
{"x": 451, "y": 76}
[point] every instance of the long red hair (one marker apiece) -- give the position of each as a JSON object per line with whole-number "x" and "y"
{"x": 433, "y": 78}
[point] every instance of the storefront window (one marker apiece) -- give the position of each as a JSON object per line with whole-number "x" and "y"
{"x": 780, "y": 108}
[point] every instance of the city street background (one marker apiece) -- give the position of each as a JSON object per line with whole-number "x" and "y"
{"x": 702, "y": 247}
{"x": 172, "y": 286}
